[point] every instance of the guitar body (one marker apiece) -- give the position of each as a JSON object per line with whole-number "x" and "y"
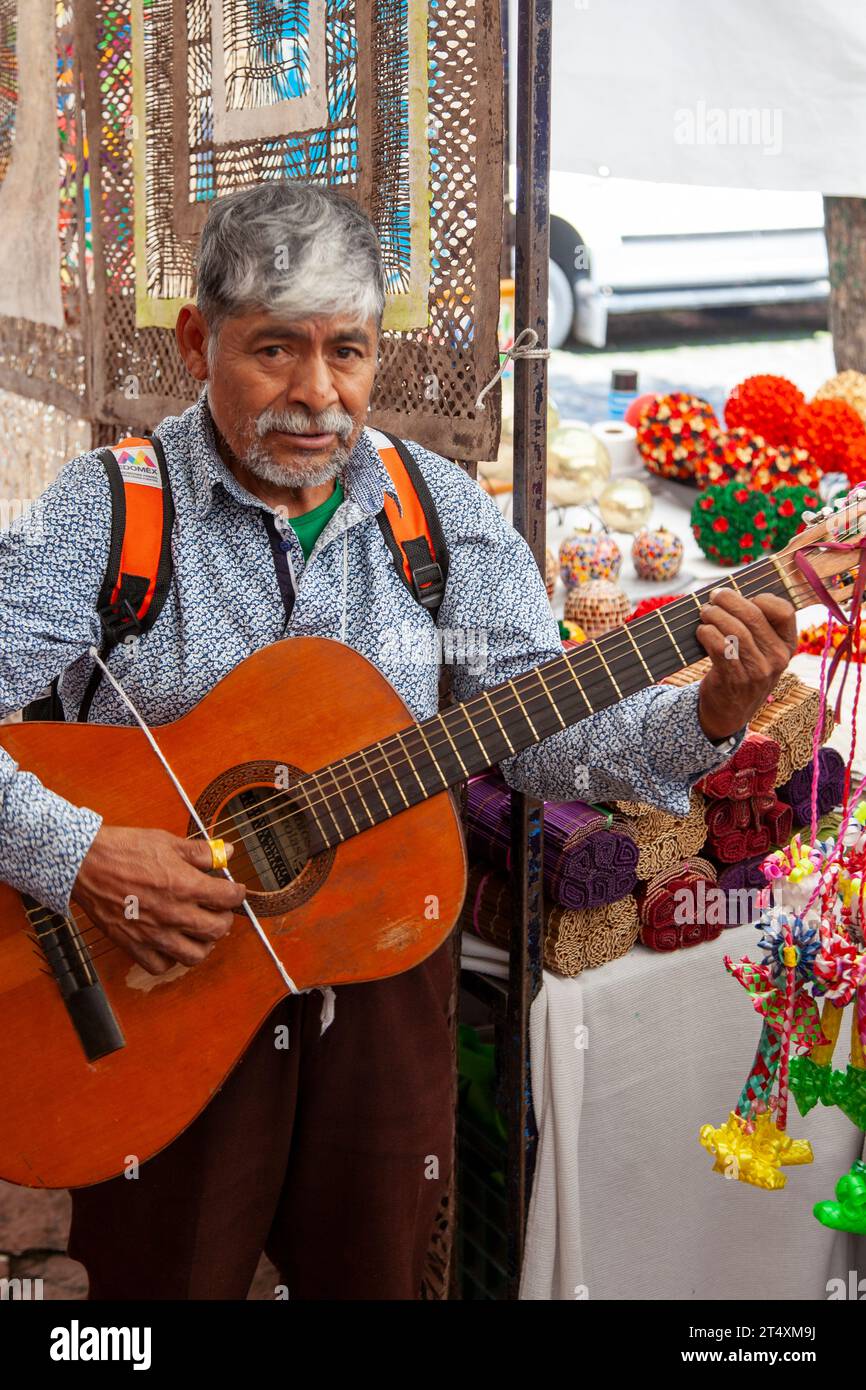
{"x": 378, "y": 904}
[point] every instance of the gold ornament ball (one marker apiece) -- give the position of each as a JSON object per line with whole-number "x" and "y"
{"x": 579, "y": 464}
{"x": 626, "y": 505}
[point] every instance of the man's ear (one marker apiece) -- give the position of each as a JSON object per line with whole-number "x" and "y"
{"x": 192, "y": 333}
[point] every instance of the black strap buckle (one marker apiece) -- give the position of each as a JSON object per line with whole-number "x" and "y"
{"x": 432, "y": 591}
{"x": 117, "y": 624}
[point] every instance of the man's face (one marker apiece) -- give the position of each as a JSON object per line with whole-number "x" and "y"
{"x": 290, "y": 399}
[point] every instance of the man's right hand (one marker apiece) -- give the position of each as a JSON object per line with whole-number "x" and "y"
{"x": 177, "y": 911}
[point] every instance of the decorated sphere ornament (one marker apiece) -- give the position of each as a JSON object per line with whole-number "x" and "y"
{"x": 849, "y": 387}
{"x": 579, "y": 464}
{"x": 626, "y": 505}
{"x": 657, "y": 554}
{"x": 597, "y": 607}
{"x": 637, "y": 408}
{"x": 671, "y": 433}
{"x": 785, "y": 465}
{"x": 766, "y": 405}
{"x": 588, "y": 555}
{"x": 829, "y": 430}
{"x": 728, "y": 456}
{"x": 734, "y": 524}
{"x": 791, "y": 503}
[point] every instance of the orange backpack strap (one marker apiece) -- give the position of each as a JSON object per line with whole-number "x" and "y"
{"x": 138, "y": 572}
{"x": 415, "y": 538}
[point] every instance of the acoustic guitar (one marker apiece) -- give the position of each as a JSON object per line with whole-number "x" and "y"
{"x": 341, "y": 810}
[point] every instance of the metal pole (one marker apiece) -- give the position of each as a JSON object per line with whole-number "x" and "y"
{"x": 532, "y": 245}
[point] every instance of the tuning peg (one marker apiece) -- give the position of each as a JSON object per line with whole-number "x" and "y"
{"x": 809, "y": 517}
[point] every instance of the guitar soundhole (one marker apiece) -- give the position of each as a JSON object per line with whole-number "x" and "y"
{"x": 252, "y": 806}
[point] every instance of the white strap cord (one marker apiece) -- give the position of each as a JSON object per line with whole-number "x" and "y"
{"x": 345, "y": 582}
{"x": 328, "y": 999}
{"x": 516, "y": 350}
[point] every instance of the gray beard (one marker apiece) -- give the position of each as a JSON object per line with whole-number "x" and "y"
{"x": 263, "y": 466}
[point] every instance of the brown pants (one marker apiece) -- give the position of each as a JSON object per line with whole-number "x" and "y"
{"x": 331, "y": 1156}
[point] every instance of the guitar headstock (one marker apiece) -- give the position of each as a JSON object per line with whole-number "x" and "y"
{"x": 844, "y": 521}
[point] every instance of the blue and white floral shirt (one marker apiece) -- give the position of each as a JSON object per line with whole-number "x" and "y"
{"x": 224, "y": 603}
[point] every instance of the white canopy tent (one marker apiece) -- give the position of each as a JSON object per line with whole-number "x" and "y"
{"x": 765, "y": 94}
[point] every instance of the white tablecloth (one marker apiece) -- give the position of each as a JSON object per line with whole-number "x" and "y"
{"x": 624, "y": 1202}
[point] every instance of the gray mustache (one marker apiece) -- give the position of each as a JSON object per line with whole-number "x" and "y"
{"x": 330, "y": 421}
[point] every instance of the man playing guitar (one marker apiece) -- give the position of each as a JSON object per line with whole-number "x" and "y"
{"x": 331, "y": 1154}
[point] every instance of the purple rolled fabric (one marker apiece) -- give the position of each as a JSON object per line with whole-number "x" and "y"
{"x": 797, "y": 791}
{"x": 744, "y": 875}
{"x": 585, "y": 864}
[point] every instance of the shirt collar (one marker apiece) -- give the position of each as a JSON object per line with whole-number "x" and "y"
{"x": 365, "y": 478}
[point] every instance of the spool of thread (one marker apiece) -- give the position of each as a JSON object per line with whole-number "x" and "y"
{"x": 623, "y": 390}
{"x": 620, "y": 442}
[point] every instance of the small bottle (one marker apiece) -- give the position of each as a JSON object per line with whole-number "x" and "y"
{"x": 623, "y": 390}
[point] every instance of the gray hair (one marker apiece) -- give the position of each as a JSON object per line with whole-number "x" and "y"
{"x": 296, "y": 249}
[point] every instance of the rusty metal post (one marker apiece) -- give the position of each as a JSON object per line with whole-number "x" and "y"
{"x": 532, "y": 244}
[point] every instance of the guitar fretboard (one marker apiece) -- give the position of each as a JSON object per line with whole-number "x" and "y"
{"x": 379, "y": 781}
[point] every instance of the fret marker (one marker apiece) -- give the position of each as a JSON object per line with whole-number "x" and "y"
{"x": 550, "y": 698}
{"x": 499, "y": 721}
{"x": 610, "y": 674}
{"x": 638, "y": 650}
{"x": 570, "y": 669}
{"x": 524, "y": 711}
{"x": 664, "y": 622}
{"x": 785, "y": 578}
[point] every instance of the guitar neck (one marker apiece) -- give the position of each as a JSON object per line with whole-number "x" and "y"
{"x": 426, "y": 758}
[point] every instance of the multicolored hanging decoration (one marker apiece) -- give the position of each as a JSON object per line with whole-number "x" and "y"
{"x": 812, "y": 922}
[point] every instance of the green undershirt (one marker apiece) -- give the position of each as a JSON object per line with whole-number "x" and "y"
{"x": 310, "y": 525}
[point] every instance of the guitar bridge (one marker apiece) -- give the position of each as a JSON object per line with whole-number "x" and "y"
{"x": 70, "y": 963}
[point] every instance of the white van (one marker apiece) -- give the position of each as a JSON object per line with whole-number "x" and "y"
{"x": 620, "y": 246}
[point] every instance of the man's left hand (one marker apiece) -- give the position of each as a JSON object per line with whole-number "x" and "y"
{"x": 750, "y": 642}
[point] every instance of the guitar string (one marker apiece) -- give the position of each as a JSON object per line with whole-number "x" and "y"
{"x": 300, "y": 813}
